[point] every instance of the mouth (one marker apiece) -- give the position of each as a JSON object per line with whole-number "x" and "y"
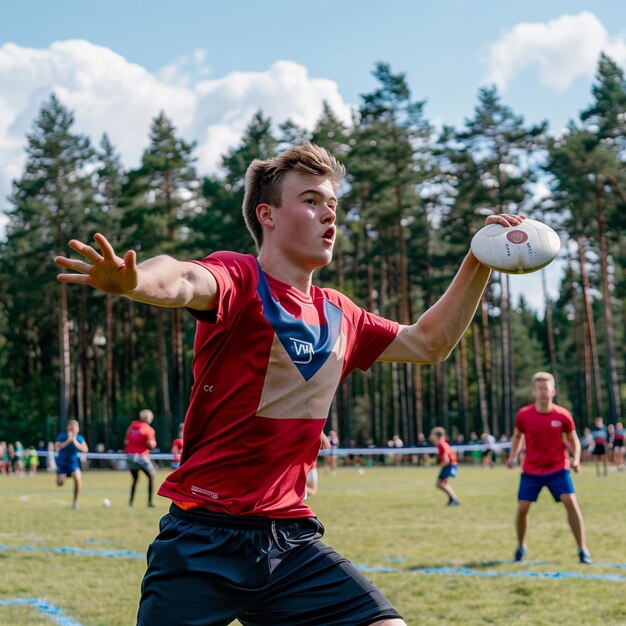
{"x": 329, "y": 235}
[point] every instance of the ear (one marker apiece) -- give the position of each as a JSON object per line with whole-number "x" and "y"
{"x": 265, "y": 215}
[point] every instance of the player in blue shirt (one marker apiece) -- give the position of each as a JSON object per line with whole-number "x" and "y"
{"x": 67, "y": 446}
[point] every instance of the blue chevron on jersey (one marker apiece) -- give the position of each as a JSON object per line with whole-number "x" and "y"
{"x": 308, "y": 346}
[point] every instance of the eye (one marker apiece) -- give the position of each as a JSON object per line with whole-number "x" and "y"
{"x": 310, "y": 201}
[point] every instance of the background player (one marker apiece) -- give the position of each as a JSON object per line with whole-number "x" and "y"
{"x": 139, "y": 440}
{"x": 546, "y": 462}
{"x": 68, "y": 446}
{"x": 600, "y": 445}
{"x": 448, "y": 467}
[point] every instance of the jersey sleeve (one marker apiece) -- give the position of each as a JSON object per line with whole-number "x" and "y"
{"x": 568, "y": 422}
{"x": 236, "y": 274}
{"x": 368, "y": 336}
{"x": 519, "y": 422}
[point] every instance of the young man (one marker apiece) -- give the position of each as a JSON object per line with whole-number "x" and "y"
{"x": 546, "y": 463}
{"x": 68, "y": 446}
{"x": 270, "y": 350}
{"x": 448, "y": 467}
{"x": 139, "y": 440}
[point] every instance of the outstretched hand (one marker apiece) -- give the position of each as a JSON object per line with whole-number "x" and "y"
{"x": 105, "y": 271}
{"x": 505, "y": 219}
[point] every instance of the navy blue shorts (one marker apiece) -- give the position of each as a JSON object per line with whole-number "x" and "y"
{"x": 68, "y": 469}
{"x": 448, "y": 471}
{"x": 207, "y": 569}
{"x": 558, "y": 483}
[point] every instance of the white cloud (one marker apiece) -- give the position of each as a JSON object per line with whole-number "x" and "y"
{"x": 563, "y": 49}
{"x": 109, "y": 94}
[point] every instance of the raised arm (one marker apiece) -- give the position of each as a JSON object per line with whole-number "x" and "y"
{"x": 435, "y": 334}
{"x": 162, "y": 280}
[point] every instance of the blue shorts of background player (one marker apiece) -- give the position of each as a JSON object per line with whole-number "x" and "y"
{"x": 558, "y": 483}
{"x": 448, "y": 471}
{"x": 67, "y": 469}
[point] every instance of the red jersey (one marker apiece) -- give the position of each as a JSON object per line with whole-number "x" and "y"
{"x": 137, "y": 437}
{"x": 177, "y": 446}
{"x": 443, "y": 448}
{"x": 545, "y": 448}
{"x": 267, "y": 363}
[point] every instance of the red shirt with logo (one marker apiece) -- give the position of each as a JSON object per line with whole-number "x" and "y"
{"x": 545, "y": 447}
{"x": 443, "y": 448}
{"x": 137, "y": 437}
{"x": 267, "y": 363}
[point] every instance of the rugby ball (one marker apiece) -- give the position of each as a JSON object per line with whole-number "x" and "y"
{"x": 516, "y": 249}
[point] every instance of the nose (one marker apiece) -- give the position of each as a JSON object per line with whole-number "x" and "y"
{"x": 329, "y": 216}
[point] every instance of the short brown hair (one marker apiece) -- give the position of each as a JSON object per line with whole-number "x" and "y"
{"x": 438, "y": 431}
{"x": 543, "y": 376}
{"x": 264, "y": 179}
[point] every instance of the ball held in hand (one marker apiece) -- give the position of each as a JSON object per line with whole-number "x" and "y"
{"x": 516, "y": 249}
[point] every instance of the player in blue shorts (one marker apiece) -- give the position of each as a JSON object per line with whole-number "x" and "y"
{"x": 544, "y": 425}
{"x": 68, "y": 446}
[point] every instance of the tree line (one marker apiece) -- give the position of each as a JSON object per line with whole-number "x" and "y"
{"x": 412, "y": 200}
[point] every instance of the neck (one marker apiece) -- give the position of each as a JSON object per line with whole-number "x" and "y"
{"x": 285, "y": 272}
{"x": 543, "y": 407}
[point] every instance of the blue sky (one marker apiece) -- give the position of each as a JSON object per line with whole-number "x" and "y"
{"x": 210, "y": 65}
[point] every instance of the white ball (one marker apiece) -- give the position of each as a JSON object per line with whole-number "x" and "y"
{"x": 106, "y": 502}
{"x": 516, "y": 249}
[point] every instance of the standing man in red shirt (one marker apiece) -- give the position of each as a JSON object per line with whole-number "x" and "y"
{"x": 546, "y": 462}
{"x": 140, "y": 439}
{"x": 448, "y": 467}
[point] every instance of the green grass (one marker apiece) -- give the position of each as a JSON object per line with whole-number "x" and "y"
{"x": 388, "y": 517}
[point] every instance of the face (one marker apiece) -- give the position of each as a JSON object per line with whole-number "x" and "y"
{"x": 543, "y": 391}
{"x": 303, "y": 227}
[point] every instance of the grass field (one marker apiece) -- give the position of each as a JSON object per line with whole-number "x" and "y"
{"x": 88, "y": 564}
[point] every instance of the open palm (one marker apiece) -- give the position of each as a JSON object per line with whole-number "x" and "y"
{"x": 105, "y": 271}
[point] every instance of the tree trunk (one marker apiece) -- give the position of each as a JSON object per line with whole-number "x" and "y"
{"x": 166, "y": 407}
{"x": 613, "y": 384}
{"x": 590, "y": 328}
{"x": 64, "y": 357}
{"x": 550, "y": 329}
{"x": 506, "y": 358}
{"x": 480, "y": 380}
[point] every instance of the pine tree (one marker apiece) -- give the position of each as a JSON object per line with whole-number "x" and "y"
{"x": 50, "y": 202}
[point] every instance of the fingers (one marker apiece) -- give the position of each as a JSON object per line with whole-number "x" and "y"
{"x": 74, "y": 279}
{"x": 72, "y": 264}
{"x": 87, "y": 251}
{"x": 505, "y": 219}
{"x": 130, "y": 261}
{"x": 105, "y": 246}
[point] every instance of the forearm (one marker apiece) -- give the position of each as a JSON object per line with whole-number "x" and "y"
{"x": 447, "y": 320}
{"x": 515, "y": 447}
{"x": 166, "y": 282}
{"x": 433, "y": 337}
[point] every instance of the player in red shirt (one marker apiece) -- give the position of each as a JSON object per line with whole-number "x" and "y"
{"x": 139, "y": 440}
{"x": 177, "y": 447}
{"x": 543, "y": 425}
{"x": 270, "y": 351}
{"x": 447, "y": 464}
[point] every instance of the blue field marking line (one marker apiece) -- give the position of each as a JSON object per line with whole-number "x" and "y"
{"x": 124, "y": 554}
{"x": 49, "y": 610}
{"x": 470, "y": 571}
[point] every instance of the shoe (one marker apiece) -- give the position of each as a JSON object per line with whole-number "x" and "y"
{"x": 519, "y": 554}
{"x": 151, "y": 505}
{"x": 454, "y": 502}
{"x": 584, "y": 557}
{"x": 76, "y": 506}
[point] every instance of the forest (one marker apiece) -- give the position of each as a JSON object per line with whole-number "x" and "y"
{"x": 413, "y": 197}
